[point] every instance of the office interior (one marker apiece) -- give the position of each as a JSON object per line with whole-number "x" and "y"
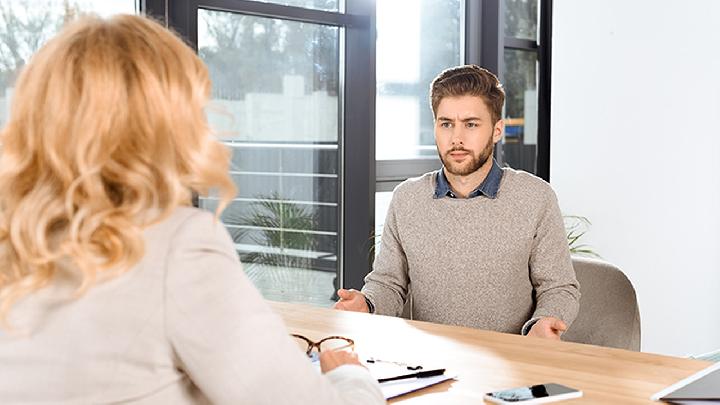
{"x": 324, "y": 104}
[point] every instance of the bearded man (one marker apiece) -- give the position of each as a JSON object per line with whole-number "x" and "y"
{"x": 481, "y": 246}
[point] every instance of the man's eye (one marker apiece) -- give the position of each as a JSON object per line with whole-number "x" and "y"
{"x": 472, "y": 124}
{"x": 445, "y": 124}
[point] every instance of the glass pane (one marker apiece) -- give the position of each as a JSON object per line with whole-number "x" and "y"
{"x": 521, "y": 19}
{"x": 275, "y": 102}
{"x": 415, "y": 41}
{"x": 26, "y": 25}
{"x": 520, "y": 140}
{"x": 326, "y": 5}
{"x": 382, "y": 204}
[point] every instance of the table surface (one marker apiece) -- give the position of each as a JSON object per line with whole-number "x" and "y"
{"x": 487, "y": 361}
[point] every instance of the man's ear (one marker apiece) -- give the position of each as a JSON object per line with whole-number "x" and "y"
{"x": 498, "y": 130}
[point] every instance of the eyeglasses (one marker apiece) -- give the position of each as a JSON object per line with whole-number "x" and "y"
{"x": 328, "y": 344}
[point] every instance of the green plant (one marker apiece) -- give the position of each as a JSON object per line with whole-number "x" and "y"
{"x": 278, "y": 226}
{"x": 575, "y": 227}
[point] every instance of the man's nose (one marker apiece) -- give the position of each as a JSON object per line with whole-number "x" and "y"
{"x": 457, "y": 135}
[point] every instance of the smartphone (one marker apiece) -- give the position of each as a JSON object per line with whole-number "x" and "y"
{"x": 535, "y": 394}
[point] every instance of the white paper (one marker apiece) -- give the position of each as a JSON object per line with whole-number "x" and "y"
{"x": 392, "y": 389}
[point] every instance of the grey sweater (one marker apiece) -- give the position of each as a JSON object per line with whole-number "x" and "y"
{"x": 488, "y": 263}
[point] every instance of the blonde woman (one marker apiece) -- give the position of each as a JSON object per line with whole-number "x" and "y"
{"x": 112, "y": 287}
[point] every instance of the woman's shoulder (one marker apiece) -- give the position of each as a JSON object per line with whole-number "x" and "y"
{"x": 184, "y": 217}
{"x": 188, "y": 226}
{"x": 184, "y": 220}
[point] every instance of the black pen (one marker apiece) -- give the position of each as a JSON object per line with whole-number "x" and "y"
{"x": 419, "y": 374}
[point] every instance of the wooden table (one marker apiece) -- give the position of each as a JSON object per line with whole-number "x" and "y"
{"x": 488, "y": 361}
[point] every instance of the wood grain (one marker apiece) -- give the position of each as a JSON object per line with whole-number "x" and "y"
{"x": 488, "y": 361}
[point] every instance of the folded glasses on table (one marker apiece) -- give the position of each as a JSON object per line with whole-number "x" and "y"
{"x": 330, "y": 343}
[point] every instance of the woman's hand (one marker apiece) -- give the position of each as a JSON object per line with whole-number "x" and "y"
{"x": 331, "y": 360}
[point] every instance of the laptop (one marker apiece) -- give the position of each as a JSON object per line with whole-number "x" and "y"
{"x": 702, "y": 387}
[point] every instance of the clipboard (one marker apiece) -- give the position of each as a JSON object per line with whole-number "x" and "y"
{"x": 396, "y": 388}
{"x": 391, "y": 389}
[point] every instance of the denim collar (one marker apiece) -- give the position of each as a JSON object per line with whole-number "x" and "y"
{"x": 489, "y": 187}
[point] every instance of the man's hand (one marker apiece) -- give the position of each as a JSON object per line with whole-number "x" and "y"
{"x": 548, "y": 328}
{"x": 333, "y": 359}
{"x": 351, "y": 300}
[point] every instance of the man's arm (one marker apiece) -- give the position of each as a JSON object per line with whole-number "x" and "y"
{"x": 386, "y": 286}
{"x": 557, "y": 291}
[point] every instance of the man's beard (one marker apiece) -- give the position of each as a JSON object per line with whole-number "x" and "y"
{"x": 466, "y": 168}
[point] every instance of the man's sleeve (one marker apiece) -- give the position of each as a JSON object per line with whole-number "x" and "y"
{"x": 557, "y": 291}
{"x": 386, "y": 287}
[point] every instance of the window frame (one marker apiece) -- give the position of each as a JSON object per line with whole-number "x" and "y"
{"x": 356, "y": 144}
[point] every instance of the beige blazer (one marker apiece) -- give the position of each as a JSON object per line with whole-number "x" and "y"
{"x": 184, "y": 326}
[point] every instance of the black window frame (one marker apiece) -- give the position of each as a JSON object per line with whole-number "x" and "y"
{"x": 357, "y": 143}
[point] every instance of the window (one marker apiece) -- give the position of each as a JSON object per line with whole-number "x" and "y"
{"x": 521, "y": 19}
{"x": 520, "y": 79}
{"x": 25, "y": 26}
{"x": 519, "y": 145}
{"x": 382, "y": 204}
{"x": 290, "y": 99}
{"x": 279, "y": 114}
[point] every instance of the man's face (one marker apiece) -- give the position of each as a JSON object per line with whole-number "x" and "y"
{"x": 465, "y": 134}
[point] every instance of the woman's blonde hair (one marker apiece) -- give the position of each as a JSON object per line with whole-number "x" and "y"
{"x": 107, "y": 134}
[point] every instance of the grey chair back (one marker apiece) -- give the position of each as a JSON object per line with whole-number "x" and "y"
{"x": 407, "y": 311}
{"x": 609, "y": 315}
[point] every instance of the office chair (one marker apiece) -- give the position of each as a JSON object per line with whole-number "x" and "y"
{"x": 407, "y": 311}
{"x": 609, "y": 314}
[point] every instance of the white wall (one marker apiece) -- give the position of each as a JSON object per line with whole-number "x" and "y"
{"x": 635, "y": 145}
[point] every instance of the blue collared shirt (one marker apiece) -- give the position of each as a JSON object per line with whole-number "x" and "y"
{"x": 489, "y": 187}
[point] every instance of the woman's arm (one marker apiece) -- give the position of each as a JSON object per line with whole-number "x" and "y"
{"x": 228, "y": 340}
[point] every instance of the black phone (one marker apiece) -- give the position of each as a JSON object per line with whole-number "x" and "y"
{"x": 534, "y": 394}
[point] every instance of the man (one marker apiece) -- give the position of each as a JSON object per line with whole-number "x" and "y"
{"x": 481, "y": 246}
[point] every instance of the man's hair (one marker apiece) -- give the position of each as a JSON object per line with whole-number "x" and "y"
{"x": 107, "y": 134}
{"x": 468, "y": 80}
